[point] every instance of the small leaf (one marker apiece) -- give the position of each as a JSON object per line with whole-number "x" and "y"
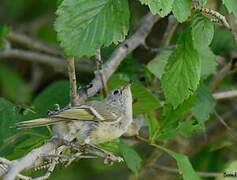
{"x": 202, "y": 31}
{"x": 208, "y": 62}
{"x": 188, "y": 128}
{"x": 204, "y": 105}
{"x": 161, "y": 7}
{"x": 131, "y": 157}
{"x": 171, "y": 117}
{"x": 157, "y": 65}
{"x": 182, "y": 9}
{"x": 84, "y": 26}
{"x": 184, "y": 165}
{"x": 182, "y": 73}
{"x": 153, "y": 126}
{"x": 144, "y": 100}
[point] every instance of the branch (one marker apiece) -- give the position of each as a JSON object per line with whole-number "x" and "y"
{"x": 56, "y": 62}
{"x": 73, "y": 82}
{"x": 225, "y": 95}
{"x": 27, "y": 161}
{"x": 120, "y": 53}
{"x": 220, "y": 75}
{"x": 32, "y": 44}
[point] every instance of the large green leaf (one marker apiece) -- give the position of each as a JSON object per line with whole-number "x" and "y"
{"x": 202, "y": 33}
{"x": 157, "y": 65}
{"x": 161, "y": 7}
{"x": 86, "y": 25}
{"x": 182, "y": 9}
{"x": 184, "y": 165}
{"x": 56, "y": 93}
{"x": 182, "y": 73}
{"x": 204, "y": 105}
{"x": 131, "y": 157}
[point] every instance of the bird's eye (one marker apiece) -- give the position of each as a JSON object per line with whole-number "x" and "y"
{"x": 116, "y": 92}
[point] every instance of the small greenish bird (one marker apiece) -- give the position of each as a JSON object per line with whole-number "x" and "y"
{"x": 93, "y": 122}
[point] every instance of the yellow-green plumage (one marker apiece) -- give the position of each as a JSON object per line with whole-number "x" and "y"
{"x": 94, "y": 121}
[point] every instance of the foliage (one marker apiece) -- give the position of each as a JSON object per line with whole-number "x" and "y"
{"x": 84, "y": 26}
{"x": 169, "y": 84}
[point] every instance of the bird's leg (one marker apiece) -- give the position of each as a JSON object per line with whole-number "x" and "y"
{"x": 109, "y": 157}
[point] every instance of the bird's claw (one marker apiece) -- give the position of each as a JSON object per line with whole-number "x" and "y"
{"x": 110, "y": 159}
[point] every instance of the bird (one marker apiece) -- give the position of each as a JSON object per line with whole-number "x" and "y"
{"x": 92, "y": 122}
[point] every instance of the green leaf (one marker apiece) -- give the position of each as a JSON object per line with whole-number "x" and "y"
{"x": 112, "y": 146}
{"x": 153, "y": 126}
{"x": 161, "y": 7}
{"x": 157, "y": 65}
{"x": 202, "y": 31}
{"x": 231, "y": 5}
{"x": 188, "y": 128}
{"x": 182, "y": 73}
{"x": 131, "y": 157}
{"x": 56, "y": 93}
{"x": 3, "y": 33}
{"x": 182, "y": 9}
{"x": 223, "y": 42}
{"x": 208, "y": 62}
{"x": 84, "y": 26}
{"x": 8, "y": 117}
{"x": 171, "y": 117}
{"x": 184, "y": 165}
{"x": 144, "y": 100}
{"x": 204, "y": 105}
{"x": 12, "y": 85}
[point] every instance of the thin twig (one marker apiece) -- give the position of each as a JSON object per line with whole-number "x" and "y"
{"x": 225, "y": 95}
{"x": 99, "y": 63}
{"x": 219, "y": 76}
{"x": 73, "y": 81}
{"x": 176, "y": 171}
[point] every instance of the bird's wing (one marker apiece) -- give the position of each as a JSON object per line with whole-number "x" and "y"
{"x": 91, "y": 111}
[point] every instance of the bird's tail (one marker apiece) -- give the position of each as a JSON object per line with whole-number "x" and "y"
{"x": 36, "y": 123}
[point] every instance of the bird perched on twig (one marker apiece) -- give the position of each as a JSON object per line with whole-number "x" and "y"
{"x": 93, "y": 122}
